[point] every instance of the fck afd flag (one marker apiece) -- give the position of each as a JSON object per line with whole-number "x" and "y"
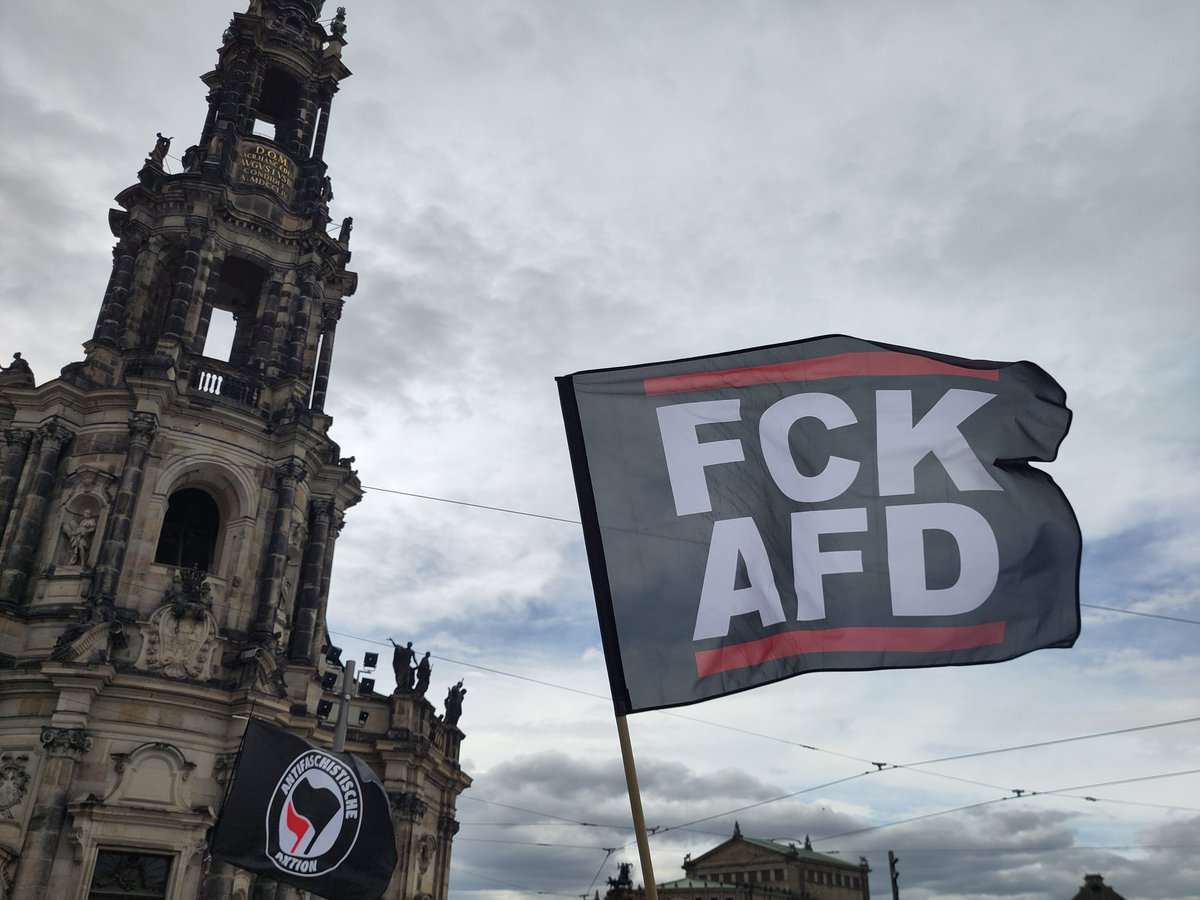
{"x": 308, "y": 817}
{"x": 830, "y": 504}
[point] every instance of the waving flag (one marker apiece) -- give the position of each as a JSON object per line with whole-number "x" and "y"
{"x": 819, "y": 505}
{"x": 307, "y": 817}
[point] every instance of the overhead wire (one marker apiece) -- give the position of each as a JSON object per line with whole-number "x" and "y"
{"x": 880, "y": 767}
{"x": 531, "y": 515}
{"x": 1068, "y": 740}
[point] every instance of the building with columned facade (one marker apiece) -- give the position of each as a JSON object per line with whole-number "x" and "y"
{"x": 169, "y": 512}
{"x": 745, "y": 868}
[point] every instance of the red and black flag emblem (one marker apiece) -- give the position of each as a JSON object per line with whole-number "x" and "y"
{"x": 307, "y": 817}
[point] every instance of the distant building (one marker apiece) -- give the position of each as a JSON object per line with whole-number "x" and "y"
{"x": 745, "y": 868}
{"x": 169, "y": 512}
{"x": 1094, "y": 888}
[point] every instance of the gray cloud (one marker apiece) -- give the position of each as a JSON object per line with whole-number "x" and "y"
{"x": 540, "y": 188}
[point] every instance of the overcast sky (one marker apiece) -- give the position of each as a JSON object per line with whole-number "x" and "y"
{"x": 544, "y": 187}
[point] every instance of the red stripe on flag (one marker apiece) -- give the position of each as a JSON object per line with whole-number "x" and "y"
{"x": 845, "y": 365}
{"x": 848, "y": 640}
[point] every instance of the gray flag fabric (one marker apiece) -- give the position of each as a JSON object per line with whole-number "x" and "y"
{"x": 827, "y": 504}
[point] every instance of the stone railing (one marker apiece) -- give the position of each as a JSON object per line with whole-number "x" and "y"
{"x": 214, "y": 378}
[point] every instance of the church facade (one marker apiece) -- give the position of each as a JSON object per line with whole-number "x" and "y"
{"x": 169, "y": 511}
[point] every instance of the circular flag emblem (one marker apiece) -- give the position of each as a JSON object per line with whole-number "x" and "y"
{"x": 314, "y": 815}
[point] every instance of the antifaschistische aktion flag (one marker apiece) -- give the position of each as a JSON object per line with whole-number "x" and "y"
{"x": 828, "y": 504}
{"x": 308, "y": 817}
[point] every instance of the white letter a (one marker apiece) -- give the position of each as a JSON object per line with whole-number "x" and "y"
{"x": 720, "y": 599}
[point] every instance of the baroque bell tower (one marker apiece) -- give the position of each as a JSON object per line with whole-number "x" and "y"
{"x": 170, "y": 505}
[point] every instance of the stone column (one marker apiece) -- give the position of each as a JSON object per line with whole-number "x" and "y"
{"x": 447, "y": 829}
{"x": 234, "y": 95}
{"x": 323, "y": 124}
{"x": 298, "y": 341}
{"x": 112, "y": 310}
{"x": 265, "y": 330}
{"x": 111, "y": 558}
{"x": 18, "y": 559}
{"x": 256, "y": 75}
{"x": 280, "y": 330}
{"x": 335, "y": 529}
{"x": 321, "y": 381}
{"x": 308, "y": 598}
{"x": 18, "y": 441}
{"x": 206, "y": 133}
{"x": 299, "y": 140}
{"x": 287, "y": 479}
{"x": 408, "y": 809}
{"x": 181, "y": 299}
{"x": 64, "y": 748}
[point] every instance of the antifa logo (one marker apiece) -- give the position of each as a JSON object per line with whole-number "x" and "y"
{"x": 313, "y": 820}
{"x": 308, "y": 811}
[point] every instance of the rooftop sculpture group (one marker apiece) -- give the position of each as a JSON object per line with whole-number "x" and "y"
{"x": 412, "y": 677}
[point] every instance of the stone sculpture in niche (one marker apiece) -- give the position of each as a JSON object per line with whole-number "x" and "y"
{"x": 79, "y": 529}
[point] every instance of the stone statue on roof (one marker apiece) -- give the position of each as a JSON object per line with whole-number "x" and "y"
{"x": 161, "y": 146}
{"x": 454, "y": 699}
{"x": 424, "y": 669}
{"x": 338, "y": 26}
{"x": 402, "y": 665}
{"x": 18, "y": 373}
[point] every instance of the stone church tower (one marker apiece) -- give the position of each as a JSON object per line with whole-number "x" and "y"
{"x": 169, "y": 511}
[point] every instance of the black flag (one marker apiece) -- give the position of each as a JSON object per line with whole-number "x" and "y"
{"x": 308, "y": 817}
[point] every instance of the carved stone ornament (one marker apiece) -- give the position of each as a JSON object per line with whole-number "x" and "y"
{"x": 18, "y": 437}
{"x": 14, "y": 784}
{"x": 67, "y": 743}
{"x": 84, "y": 642}
{"x": 8, "y": 865}
{"x": 143, "y": 426}
{"x": 408, "y": 806}
{"x": 182, "y": 633}
{"x": 223, "y": 767}
{"x": 448, "y": 827}
{"x": 54, "y": 433}
{"x": 426, "y": 846}
{"x": 291, "y": 473}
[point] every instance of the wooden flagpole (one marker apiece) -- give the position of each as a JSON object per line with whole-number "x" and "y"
{"x": 635, "y": 806}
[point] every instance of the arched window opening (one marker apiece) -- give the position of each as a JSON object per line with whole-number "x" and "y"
{"x": 278, "y": 107}
{"x": 238, "y": 294}
{"x": 189, "y": 532}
